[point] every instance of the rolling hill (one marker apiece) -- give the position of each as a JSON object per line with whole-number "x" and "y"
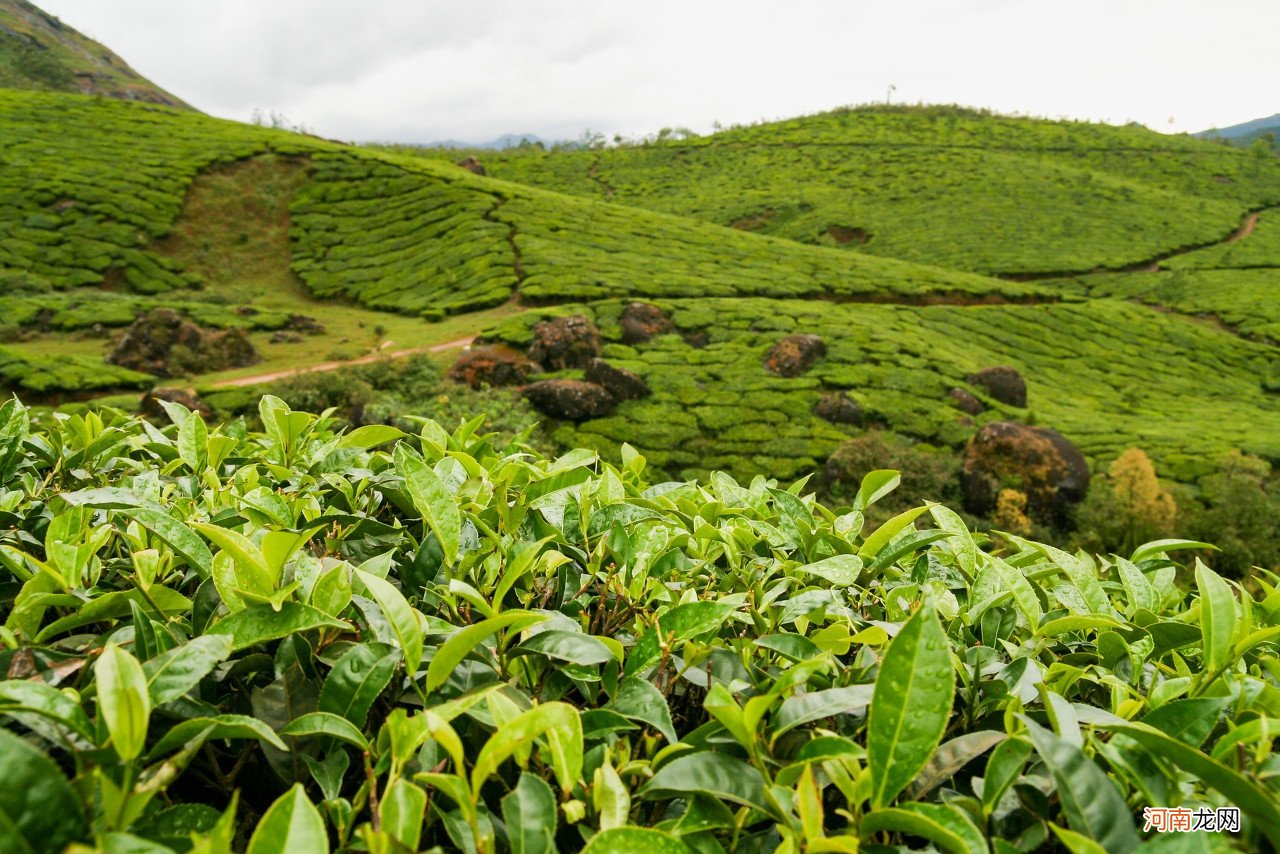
{"x": 947, "y": 186}
{"x": 38, "y": 51}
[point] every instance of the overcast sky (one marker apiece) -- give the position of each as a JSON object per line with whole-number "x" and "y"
{"x": 428, "y": 70}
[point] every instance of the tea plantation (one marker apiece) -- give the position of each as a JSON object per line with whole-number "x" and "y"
{"x": 1112, "y": 375}
{"x": 944, "y": 186}
{"x": 302, "y": 640}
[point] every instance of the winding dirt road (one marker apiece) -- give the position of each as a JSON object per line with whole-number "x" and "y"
{"x": 272, "y": 376}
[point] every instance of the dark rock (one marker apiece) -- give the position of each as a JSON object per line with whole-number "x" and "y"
{"x": 838, "y": 408}
{"x": 565, "y": 342}
{"x": 794, "y": 355}
{"x": 1036, "y": 461}
{"x": 491, "y": 365}
{"x": 1003, "y": 383}
{"x": 619, "y": 382}
{"x": 697, "y": 340}
{"x": 304, "y": 324}
{"x": 641, "y": 321}
{"x": 165, "y": 343}
{"x": 471, "y": 164}
{"x": 966, "y": 402}
{"x": 246, "y": 311}
{"x": 569, "y": 400}
{"x": 152, "y": 410}
{"x": 283, "y": 337}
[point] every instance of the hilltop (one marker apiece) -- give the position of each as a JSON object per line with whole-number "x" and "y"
{"x": 983, "y": 193}
{"x": 38, "y": 51}
{"x": 1245, "y": 132}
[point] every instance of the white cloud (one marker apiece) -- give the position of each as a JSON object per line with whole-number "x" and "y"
{"x": 418, "y": 71}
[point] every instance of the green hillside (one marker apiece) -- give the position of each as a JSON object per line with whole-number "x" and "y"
{"x": 38, "y": 51}
{"x": 96, "y": 196}
{"x": 944, "y": 186}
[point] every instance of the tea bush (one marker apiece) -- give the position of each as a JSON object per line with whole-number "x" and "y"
{"x": 290, "y": 640}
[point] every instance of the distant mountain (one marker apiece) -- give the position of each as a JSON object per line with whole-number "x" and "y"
{"x": 1246, "y": 131}
{"x": 502, "y": 143}
{"x": 38, "y": 51}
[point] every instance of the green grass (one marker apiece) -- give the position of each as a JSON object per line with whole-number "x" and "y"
{"x": 974, "y": 192}
{"x": 1111, "y": 375}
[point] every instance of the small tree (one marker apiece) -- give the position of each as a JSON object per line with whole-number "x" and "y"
{"x": 1147, "y": 510}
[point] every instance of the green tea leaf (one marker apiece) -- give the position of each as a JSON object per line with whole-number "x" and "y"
{"x": 262, "y": 623}
{"x": 175, "y": 672}
{"x": 709, "y": 773}
{"x": 636, "y": 840}
{"x": 1217, "y": 617}
{"x": 910, "y": 706}
{"x": 123, "y": 700}
{"x": 39, "y": 812}
{"x": 1090, "y": 800}
{"x": 326, "y": 723}
{"x": 404, "y": 621}
{"x": 432, "y": 499}
{"x": 460, "y": 643}
{"x": 638, "y": 700}
{"x": 946, "y": 826}
{"x": 292, "y": 825}
{"x": 530, "y": 814}
{"x": 357, "y": 679}
{"x": 680, "y": 624}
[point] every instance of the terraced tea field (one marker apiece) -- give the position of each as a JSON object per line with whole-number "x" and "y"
{"x": 1111, "y": 375}
{"x": 939, "y": 185}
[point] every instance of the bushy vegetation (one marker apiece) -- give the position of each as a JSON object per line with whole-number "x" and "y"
{"x": 968, "y": 191}
{"x": 290, "y": 640}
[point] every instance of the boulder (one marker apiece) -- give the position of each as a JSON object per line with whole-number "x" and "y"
{"x": 1036, "y": 461}
{"x": 1003, "y": 383}
{"x": 794, "y": 355}
{"x": 471, "y": 164}
{"x": 641, "y": 321}
{"x": 697, "y": 340}
{"x": 283, "y": 337}
{"x": 838, "y": 408}
{"x": 153, "y": 411}
{"x": 565, "y": 342}
{"x": 619, "y": 382}
{"x": 569, "y": 400}
{"x": 966, "y": 402}
{"x": 164, "y": 343}
{"x": 304, "y": 324}
{"x": 492, "y": 365}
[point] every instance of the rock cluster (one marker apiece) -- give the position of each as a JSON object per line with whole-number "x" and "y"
{"x": 1036, "y": 461}
{"x": 1003, "y": 383}
{"x": 565, "y": 342}
{"x": 794, "y": 355}
{"x": 838, "y": 408}
{"x": 562, "y": 343}
{"x": 471, "y": 164}
{"x": 641, "y": 321}
{"x": 492, "y": 365}
{"x": 165, "y": 343}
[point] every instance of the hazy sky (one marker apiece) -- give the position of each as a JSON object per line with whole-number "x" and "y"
{"x": 429, "y": 70}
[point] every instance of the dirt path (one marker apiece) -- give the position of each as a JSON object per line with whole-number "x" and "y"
{"x": 1246, "y": 228}
{"x": 272, "y": 376}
